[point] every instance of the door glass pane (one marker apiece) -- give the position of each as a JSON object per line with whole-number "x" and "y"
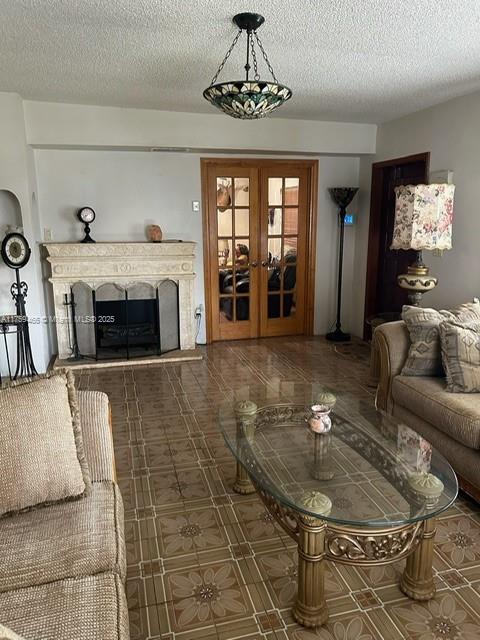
{"x": 242, "y": 195}
{"x": 242, "y": 253}
{"x": 275, "y": 191}
{"x": 291, "y": 221}
{"x": 226, "y": 281}
{"x": 233, "y": 247}
{"x": 289, "y": 277}
{"x": 242, "y": 222}
{"x": 274, "y": 306}
{"x": 274, "y": 221}
{"x": 225, "y": 255}
{"x": 224, "y": 193}
{"x": 291, "y": 190}
{"x": 289, "y": 304}
{"x": 242, "y": 308}
{"x": 274, "y": 251}
{"x": 224, "y": 222}
{"x": 226, "y": 310}
{"x": 290, "y": 249}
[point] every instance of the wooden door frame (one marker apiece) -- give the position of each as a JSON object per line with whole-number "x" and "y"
{"x": 312, "y": 166}
{"x": 375, "y": 226}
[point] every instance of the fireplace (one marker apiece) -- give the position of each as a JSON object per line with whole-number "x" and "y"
{"x": 146, "y": 287}
{"x": 123, "y": 322}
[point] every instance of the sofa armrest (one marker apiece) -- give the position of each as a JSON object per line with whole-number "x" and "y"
{"x": 391, "y": 342}
{"x": 95, "y": 421}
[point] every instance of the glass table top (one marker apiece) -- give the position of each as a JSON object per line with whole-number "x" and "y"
{"x": 374, "y": 470}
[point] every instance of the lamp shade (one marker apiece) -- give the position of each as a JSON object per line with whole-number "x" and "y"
{"x": 423, "y": 217}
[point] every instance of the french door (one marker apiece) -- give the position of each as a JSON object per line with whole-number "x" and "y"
{"x": 259, "y": 239}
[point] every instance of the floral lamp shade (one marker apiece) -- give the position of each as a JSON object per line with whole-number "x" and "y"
{"x": 423, "y": 217}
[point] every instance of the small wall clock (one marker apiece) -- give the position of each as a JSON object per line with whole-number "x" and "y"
{"x": 87, "y": 216}
{"x": 15, "y": 250}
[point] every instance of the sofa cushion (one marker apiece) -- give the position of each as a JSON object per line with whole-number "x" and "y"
{"x": 41, "y": 450}
{"x": 460, "y": 343}
{"x": 93, "y": 608}
{"x": 457, "y": 415}
{"x": 424, "y": 356}
{"x": 64, "y": 540}
{"x": 94, "y": 411}
{"x": 8, "y": 634}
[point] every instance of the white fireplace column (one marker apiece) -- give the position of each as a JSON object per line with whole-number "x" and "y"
{"x": 121, "y": 263}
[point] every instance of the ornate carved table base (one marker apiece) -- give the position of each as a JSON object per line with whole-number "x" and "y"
{"x": 245, "y": 416}
{"x": 417, "y": 579}
{"x": 319, "y": 540}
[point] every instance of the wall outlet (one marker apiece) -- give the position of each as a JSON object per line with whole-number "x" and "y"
{"x": 196, "y": 205}
{"x": 47, "y": 234}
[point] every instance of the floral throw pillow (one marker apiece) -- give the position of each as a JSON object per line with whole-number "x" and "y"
{"x": 460, "y": 344}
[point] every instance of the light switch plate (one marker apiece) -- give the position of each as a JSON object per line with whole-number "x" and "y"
{"x": 195, "y": 205}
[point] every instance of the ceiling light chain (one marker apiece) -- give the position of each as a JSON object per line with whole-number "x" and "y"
{"x": 227, "y": 55}
{"x": 254, "y": 57}
{"x": 265, "y": 57}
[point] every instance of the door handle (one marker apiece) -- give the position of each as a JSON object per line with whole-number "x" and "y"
{"x": 253, "y": 264}
{"x": 264, "y": 263}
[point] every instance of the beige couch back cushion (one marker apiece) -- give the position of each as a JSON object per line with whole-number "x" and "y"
{"x": 41, "y": 449}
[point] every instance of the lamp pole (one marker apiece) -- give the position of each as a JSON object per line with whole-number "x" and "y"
{"x": 342, "y": 196}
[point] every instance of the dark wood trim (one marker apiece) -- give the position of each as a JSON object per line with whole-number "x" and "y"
{"x": 312, "y": 251}
{"x": 375, "y": 226}
{"x": 416, "y": 157}
{"x": 312, "y": 166}
{"x": 469, "y": 488}
{"x": 206, "y": 249}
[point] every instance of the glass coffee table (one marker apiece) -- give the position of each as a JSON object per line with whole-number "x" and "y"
{"x": 366, "y": 492}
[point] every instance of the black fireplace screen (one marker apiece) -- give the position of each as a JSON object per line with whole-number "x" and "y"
{"x": 116, "y": 322}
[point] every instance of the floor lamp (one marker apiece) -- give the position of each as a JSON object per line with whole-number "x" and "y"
{"x": 342, "y": 196}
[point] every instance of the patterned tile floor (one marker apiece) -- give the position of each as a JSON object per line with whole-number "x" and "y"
{"x": 207, "y": 564}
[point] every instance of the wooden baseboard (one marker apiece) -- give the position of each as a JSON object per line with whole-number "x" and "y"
{"x": 470, "y": 489}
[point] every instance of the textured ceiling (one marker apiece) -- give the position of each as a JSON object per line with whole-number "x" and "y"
{"x": 348, "y": 60}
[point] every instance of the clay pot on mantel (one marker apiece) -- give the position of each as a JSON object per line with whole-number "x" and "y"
{"x": 155, "y": 233}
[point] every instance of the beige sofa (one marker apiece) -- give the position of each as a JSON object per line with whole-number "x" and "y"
{"x": 62, "y": 567}
{"x": 450, "y": 421}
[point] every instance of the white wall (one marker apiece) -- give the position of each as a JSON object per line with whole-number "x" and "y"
{"x": 131, "y": 189}
{"x": 16, "y": 176}
{"x": 59, "y": 125}
{"x": 334, "y": 172}
{"x": 451, "y": 133}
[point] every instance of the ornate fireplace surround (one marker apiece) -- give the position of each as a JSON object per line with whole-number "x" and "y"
{"x": 121, "y": 263}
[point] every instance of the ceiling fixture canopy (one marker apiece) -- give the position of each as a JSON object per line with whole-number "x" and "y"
{"x": 247, "y": 99}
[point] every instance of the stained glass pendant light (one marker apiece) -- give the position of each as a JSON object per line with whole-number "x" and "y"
{"x": 247, "y": 99}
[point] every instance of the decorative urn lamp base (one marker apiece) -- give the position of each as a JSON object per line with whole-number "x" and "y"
{"x": 417, "y": 281}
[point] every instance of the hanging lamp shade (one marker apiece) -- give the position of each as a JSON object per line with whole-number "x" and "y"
{"x": 247, "y": 99}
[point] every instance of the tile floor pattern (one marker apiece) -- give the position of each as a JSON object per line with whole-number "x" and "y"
{"x": 207, "y": 564}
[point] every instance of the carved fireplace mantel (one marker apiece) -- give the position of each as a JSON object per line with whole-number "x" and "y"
{"x": 122, "y": 263}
